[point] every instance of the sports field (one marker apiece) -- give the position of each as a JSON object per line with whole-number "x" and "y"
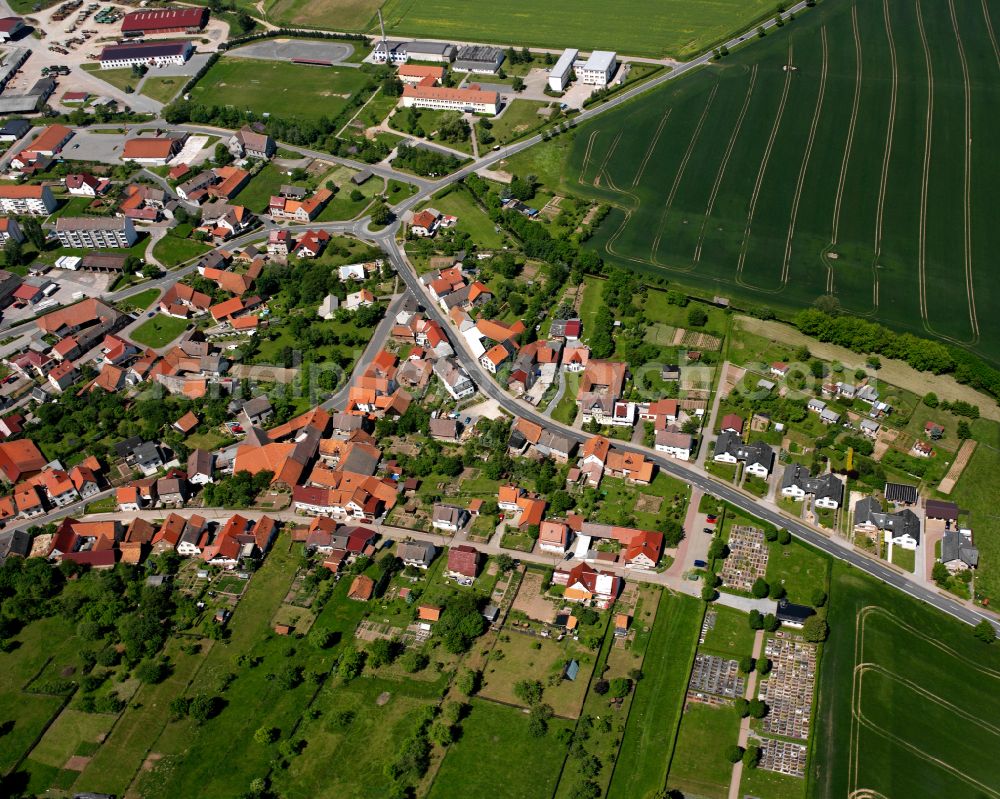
{"x": 279, "y": 87}
{"x": 678, "y": 28}
{"x": 909, "y": 700}
{"x": 848, "y": 153}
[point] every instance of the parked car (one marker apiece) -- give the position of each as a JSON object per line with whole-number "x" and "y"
{"x": 708, "y": 530}
{"x": 700, "y": 564}
{"x": 711, "y": 518}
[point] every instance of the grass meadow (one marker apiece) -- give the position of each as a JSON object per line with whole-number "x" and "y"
{"x": 497, "y": 756}
{"x": 863, "y": 169}
{"x": 903, "y": 692}
{"x": 649, "y": 737}
{"x": 279, "y": 87}
{"x": 679, "y": 28}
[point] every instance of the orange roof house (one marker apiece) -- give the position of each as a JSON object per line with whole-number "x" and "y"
{"x": 187, "y": 422}
{"x": 362, "y": 588}
{"x": 20, "y": 459}
{"x": 144, "y": 149}
{"x": 596, "y": 449}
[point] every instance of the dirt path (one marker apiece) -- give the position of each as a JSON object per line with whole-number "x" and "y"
{"x": 895, "y": 372}
{"x": 957, "y": 466}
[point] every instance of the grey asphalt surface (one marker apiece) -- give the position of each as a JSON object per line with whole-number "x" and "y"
{"x": 289, "y": 49}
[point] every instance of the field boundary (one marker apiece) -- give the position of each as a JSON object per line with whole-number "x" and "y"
{"x": 887, "y": 157}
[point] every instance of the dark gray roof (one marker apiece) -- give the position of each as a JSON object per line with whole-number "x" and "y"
{"x": 423, "y": 551}
{"x": 955, "y": 546}
{"x": 898, "y": 492}
{"x": 788, "y": 611}
{"x": 905, "y": 522}
{"x": 14, "y": 542}
{"x": 824, "y": 486}
{"x": 123, "y": 449}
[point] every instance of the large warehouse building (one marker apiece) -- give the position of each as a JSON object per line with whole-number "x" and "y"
{"x": 164, "y": 21}
{"x": 473, "y": 99}
{"x": 152, "y": 54}
{"x": 560, "y": 74}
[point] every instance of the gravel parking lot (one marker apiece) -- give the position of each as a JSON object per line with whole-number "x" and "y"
{"x": 287, "y": 49}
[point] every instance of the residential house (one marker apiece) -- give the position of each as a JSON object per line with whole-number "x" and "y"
{"x": 20, "y": 459}
{"x": 172, "y": 491}
{"x": 901, "y": 528}
{"x": 249, "y": 143}
{"x": 418, "y": 554}
{"x": 554, "y": 536}
{"x": 584, "y": 584}
{"x": 758, "y": 457}
{"x": 9, "y": 229}
{"x": 362, "y": 588}
{"x": 957, "y": 551}
{"x": 674, "y": 443}
{"x": 199, "y": 467}
{"x": 444, "y": 430}
{"x": 827, "y": 489}
{"x": 449, "y": 518}
{"x": 463, "y": 564}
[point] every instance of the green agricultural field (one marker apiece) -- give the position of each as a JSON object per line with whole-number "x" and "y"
{"x": 341, "y": 15}
{"x": 496, "y": 756}
{"x": 904, "y": 691}
{"x": 864, "y": 170}
{"x": 678, "y": 28}
{"x": 158, "y": 331}
{"x": 976, "y": 492}
{"x": 659, "y": 699}
{"x": 279, "y": 87}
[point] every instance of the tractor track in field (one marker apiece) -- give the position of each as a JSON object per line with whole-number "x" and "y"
{"x": 989, "y": 31}
{"x": 848, "y": 146}
{"x": 817, "y": 112}
{"x": 725, "y": 162}
{"x": 761, "y": 172}
{"x": 887, "y": 157}
{"x": 681, "y": 168}
{"x": 652, "y": 146}
{"x": 925, "y": 181}
{"x": 970, "y": 292}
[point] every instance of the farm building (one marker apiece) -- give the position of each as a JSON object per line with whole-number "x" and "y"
{"x": 164, "y": 21}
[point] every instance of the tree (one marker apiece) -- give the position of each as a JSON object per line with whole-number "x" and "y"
{"x": 940, "y": 574}
{"x": 818, "y": 597}
{"x": 13, "y": 252}
{"x": 33, "y": 232}
{"x": 322, "y": 638}
{"x": 152, "y": 672}
{"x": 529, "y": 691}
{"x": 586, "y": 789}
{"x": 756, "y": 620}
{"x": 697, "y": 316}
{"x": 717, "y": 550}
{"x": 204, "y": 707}
{"x": 266, "y": 735}
{"x": 413, "y": 661}
{"x": 742, "y": 707}
{"x": 222, "y": 155}
{"x": 351, "y": 662}
{"x": 758, "y": 708}
{"x": 504, "y": 562}
{"x": 815, "y": 629}
{"x": 985, "y": 632}
{"x": 460, "y": 624}
{"x": 764, "y": 666}
{"x": 759, "y": 588}
{"x": 381, "y": 214}
{"x": 784, "y": 537}
{"x": 964, "y": 431}
{"x": 708, "y": 593}
{"x": 381, "y": 652}
{"x": 931, "y": 399}
{"x": 538, "y": 720}
{"x": 746, "y": 664}
{"x": 468, "y": 682}
{"x": 441, "y": 733}
{"x": 517, "y": 84}
{"x": 771, "y": 622}
{"x": 751, "y": 757}
{"x": 776, "y": 591}
{"x": 734, "y": 754}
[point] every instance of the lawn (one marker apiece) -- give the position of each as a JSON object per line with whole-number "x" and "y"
{"x": 756, "y": 485}
{"x": 262, "y": 186}
{"x": 906, "y": 559}
{"x": 760, "y": 782}
{"x": 162, "y": 89}
{"x": 731, "y": 634}
{"x": 172, "y": 250}
{"x": 279, "y": 87}
{"x": 519, "y": 118}
{"x": 708, "y": 196}
{"x": 471, "y": 218}
{"x": 928, "y": 688}
{"x": 497, "y": 757}
{"x": 106, "y": 505}
{"x": 521, "y": 660}
{"x": 976, "y": 492}
{"x": 798, "y": 567}
{"x": 159, "y": 331}
{"x": 140, "y": 301}
{"x": 119, "y": 78}
{"x": 425, "y": 122}
{"x": 341, "y": 15}
{"x": 342, "y": 207}
{"x": 651, "y": 27}
{"x": 699, "y": 766}
{"x": 566, "y": 409}
{"x": 659, "y": 699}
